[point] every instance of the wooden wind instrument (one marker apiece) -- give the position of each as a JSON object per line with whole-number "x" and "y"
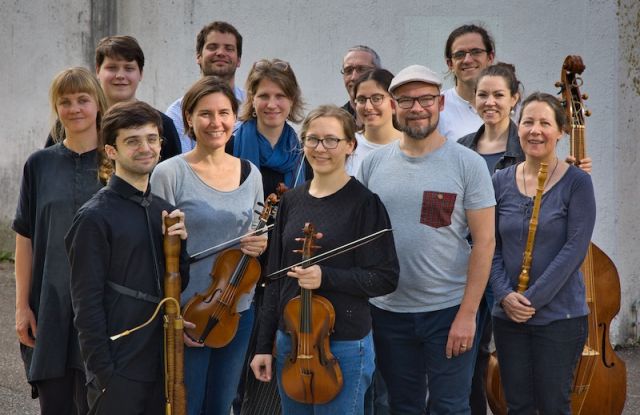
{"x": 523, "y": 279}
{"x": 176, "y": 403}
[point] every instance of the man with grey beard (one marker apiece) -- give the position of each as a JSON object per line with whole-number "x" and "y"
{"x": 436, "y": 192}
{"x": 218, "y": 52}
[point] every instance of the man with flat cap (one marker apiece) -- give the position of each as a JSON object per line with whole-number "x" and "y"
{"x": 437, "y": 192}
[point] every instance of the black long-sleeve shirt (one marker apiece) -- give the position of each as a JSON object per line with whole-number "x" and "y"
{"x": 109, "y": 241}
{"x": 348, "y": 280}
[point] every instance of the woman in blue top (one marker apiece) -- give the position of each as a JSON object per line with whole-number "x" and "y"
{"x": 540, "y": 334}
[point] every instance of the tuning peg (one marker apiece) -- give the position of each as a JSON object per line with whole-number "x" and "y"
{"x": 559, "y": 84}
{"x": 257, "y": 212}
{"x": 260, "y": 204}
{"x": 585, "y": 96}
{"x": 587, "y": 113}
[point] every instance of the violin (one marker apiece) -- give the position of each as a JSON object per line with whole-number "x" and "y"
{"x": 311, "y": 373}
{"x": 234, "y": 273}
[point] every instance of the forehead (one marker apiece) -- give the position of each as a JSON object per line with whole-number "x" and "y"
{"x": 326, "y": 126}
{"x": 215, "y": 100}
{"x": 118, "y": 60}
{"x": 137, "y": 131}
{"x": 220, "y": 38}
{"x": 467, "y": 41}
{"x": 538, "y": 110}
{"x": 74, "y": 95}
{"x": 492, "y": 82}
{"x": 267, "y": 84}
{"x": 370, "y": 86}
{"x": 416, "y": 89}
{"x": 358, "y": 58}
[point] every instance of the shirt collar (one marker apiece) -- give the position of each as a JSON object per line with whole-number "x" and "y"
{"x": 126, "y": 190}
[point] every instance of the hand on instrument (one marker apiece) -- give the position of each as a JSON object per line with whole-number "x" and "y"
{"x": 188, "y": 341}
{"x": 178, "y": 228}
{"x": 308, "y": 278}
{"x": 261, "y": 366}
{"x": 26, "y": 326}
{"x": 461, "y": 334}
{"x": 253, "y": 245}
{"x": 585, "y": 164}
{"x": 518, "y": 307}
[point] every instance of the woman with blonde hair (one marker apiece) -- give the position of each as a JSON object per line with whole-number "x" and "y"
{"x": 55, "y": 184}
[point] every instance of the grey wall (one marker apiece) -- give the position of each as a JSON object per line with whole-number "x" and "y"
{"x": 39, "y": 38}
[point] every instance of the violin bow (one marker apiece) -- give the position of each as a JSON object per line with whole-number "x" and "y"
{"x": 334, "y": 252}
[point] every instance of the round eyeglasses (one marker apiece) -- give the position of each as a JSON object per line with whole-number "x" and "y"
{"x": 329, "y": 142}
{"x": 376, "y": 99}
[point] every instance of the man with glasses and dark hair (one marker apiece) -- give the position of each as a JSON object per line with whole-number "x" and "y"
{"x": 469, "y": 49}
{"x": 436, "y": 192}
{"x": 117, "y": 265}
{"x": 358, "y": 60}
{"x": 218, "y": 52}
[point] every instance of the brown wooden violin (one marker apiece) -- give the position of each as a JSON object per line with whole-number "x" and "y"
{"x": 233, "y": 274}
{"x": 311, "y": 373}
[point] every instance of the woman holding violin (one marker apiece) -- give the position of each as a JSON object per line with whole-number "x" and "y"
{"x": 342, "y": 210}
{"x": 540, "y": 333}
{"x": 218, "y": 192}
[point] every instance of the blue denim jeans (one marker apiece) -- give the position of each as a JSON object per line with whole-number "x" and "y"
{"x": 537, "y": 363}
{"x": 356, "y": 359}
{"x": 412, "y": 345}
{"x": 211, "y": 376}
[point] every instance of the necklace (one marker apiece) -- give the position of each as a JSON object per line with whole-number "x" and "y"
{"x": 524, "y": 180}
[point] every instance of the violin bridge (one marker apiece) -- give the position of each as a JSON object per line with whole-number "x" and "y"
{"x": 305, "y": 356}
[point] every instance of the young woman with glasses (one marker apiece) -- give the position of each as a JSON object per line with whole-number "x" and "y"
{"x": 376, "y": 109}
{"x": 343, "y": 210}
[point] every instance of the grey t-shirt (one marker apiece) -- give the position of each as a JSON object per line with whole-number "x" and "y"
{"x": 426, "y": 198}
{"x": 211, "y": 216}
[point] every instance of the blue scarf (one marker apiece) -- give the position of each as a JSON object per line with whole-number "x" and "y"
{"x": 285, "y": 157}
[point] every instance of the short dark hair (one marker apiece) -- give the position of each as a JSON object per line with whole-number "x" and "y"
{"x": 553, "y": 103}
{"x": 507, "y": 72}
{"x": 125, "y": 47}
{"x": 221, "y": 27}
{"x": 205, "y": 86}
{"x": 119, "y": 116}
{"x": 489, "y": 44}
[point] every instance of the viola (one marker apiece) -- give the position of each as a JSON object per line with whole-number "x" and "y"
{"x": 233, "y": 274}
{"x": 311, "y": 372}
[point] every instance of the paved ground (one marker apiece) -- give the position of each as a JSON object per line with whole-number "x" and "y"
{"x": 15, "y": 397}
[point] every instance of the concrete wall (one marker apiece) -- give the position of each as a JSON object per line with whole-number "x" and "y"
{"x": 40, "y": 38}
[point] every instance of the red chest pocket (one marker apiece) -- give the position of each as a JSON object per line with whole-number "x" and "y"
{"x": 437, "y": 208}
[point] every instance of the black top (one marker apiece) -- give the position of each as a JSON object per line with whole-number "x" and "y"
{"x": 170, "y": 143}
{"x": 348, "y": 280}
{"x": 56, "y": 182}
{"x": 110, "y": 241}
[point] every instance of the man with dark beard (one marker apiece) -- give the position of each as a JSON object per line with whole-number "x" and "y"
{"x": 436, "y": 193}
{"x": 218, "y": 52}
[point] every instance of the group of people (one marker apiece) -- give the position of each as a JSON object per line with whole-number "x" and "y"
{"x": 413, "y": 308}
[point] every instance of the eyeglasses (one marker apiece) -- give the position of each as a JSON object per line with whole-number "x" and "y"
{"x": 376, "y": 99}
{"x": 349, "y": 70}
{"x": 264, "y": 64}
{"x": 461, "y": 54}
{"x": 424, "y": 101}
{"x": 136, "y": 143}
{"x": 329, "y": 142}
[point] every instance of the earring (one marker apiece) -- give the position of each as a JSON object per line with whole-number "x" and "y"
{"x": 254, "y": 115}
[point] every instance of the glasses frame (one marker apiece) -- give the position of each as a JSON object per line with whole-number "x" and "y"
{"x": 139, "y": 143}
{"x": 264, "y": 64}
{"x": 401, "y": 101}
{"x": 359, "y": 69}
{"x": 305, "y": 142}
{"x": 362, "y": 100}
{"x": 461, "y": 54}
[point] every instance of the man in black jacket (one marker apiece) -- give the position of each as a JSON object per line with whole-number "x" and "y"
{"x": 117, "y": 263}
